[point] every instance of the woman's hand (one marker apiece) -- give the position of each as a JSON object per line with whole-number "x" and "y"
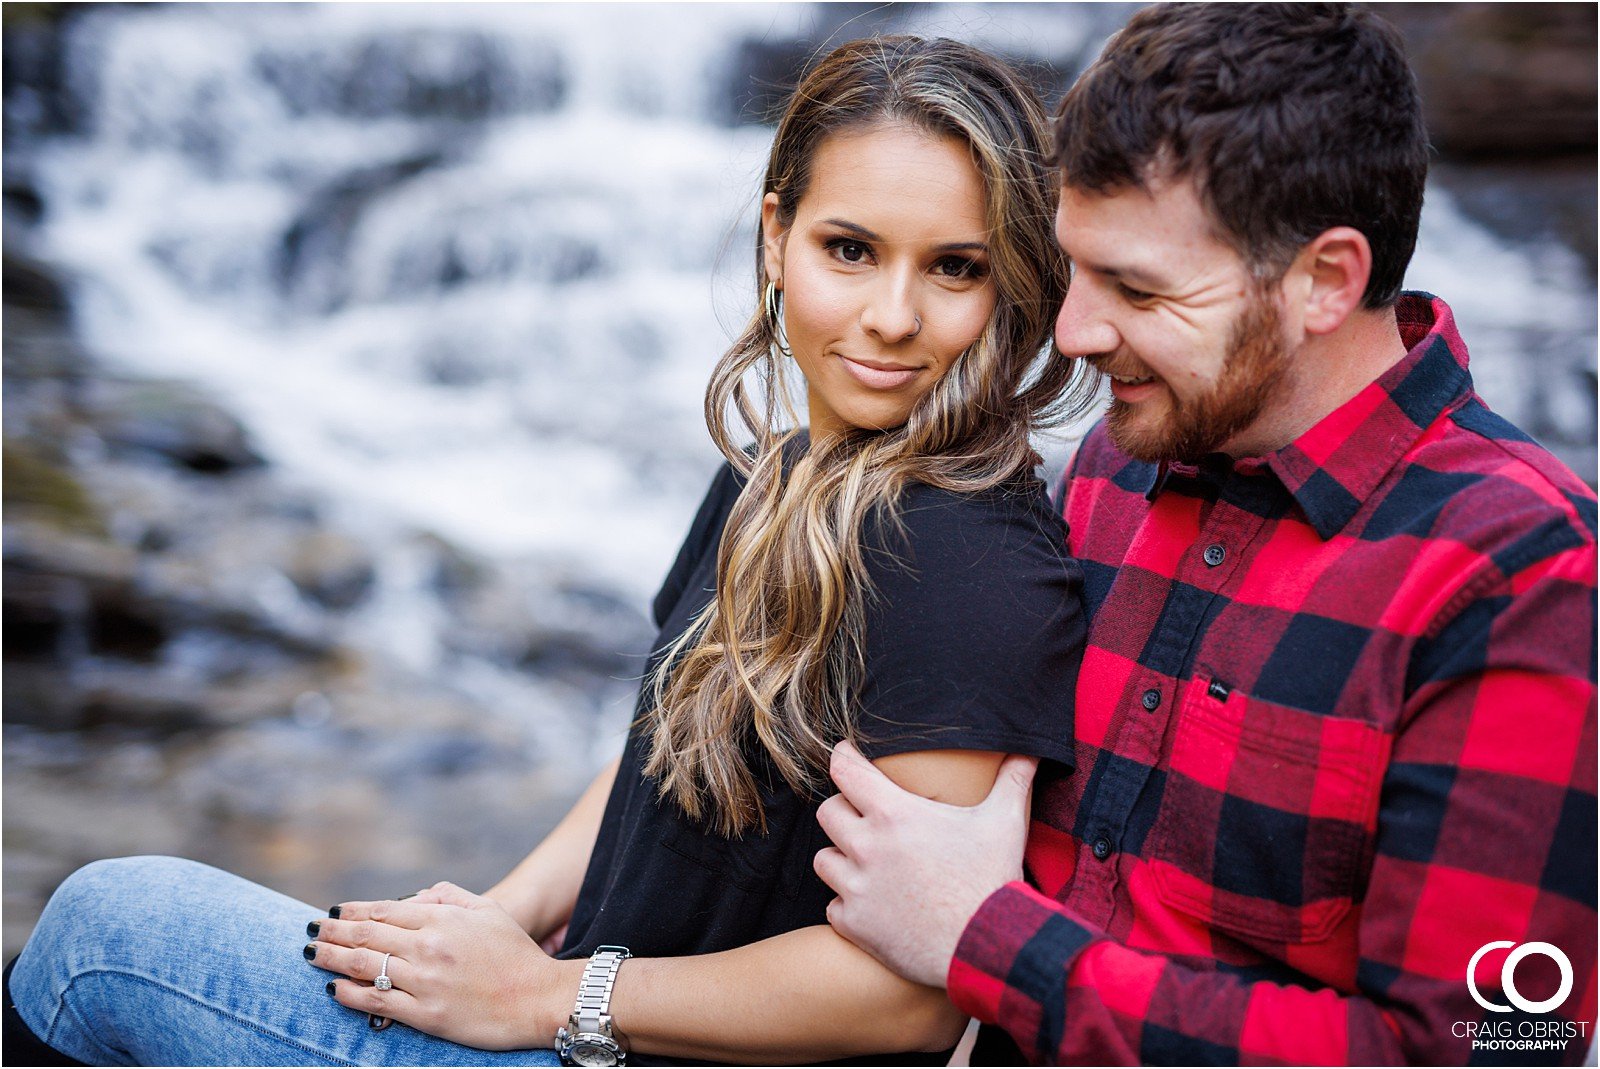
{"x": 461, "y": 968}
{"x": 549, "y": 942}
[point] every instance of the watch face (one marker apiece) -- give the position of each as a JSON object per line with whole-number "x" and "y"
{"x": 586, "y": 1053}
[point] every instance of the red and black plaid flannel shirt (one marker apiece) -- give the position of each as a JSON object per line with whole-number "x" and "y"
{"x": 1336, "y": 732}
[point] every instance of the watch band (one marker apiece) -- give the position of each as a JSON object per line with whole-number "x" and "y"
{"x": 592, "y": 1013}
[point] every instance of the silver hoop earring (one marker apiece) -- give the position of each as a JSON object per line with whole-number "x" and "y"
{"x": 772, "y": 301}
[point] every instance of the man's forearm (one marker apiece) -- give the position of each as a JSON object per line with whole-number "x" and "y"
{"x": 1086, "y": 999}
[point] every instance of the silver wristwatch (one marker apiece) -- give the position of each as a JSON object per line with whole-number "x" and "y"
{"x": 587, "y": 1038}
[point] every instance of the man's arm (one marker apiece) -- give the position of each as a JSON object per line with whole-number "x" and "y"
{"x": 1486, "y": 832}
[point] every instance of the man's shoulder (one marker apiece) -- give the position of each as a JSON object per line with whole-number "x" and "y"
{"x": 1475, "y": 479}
{"x": 1526, "y": 457}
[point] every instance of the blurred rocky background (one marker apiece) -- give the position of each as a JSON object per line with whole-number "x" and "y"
{"x": 353, "y": 359}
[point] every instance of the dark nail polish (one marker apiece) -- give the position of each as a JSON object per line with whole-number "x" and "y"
{"x": 313, "y": 928}
{"x": 310, "y": 951}
{"x": 329, "y": 987}
{"x": 376, "y": 1023}
{"x": 334, "y": 912}
{"x": 413, "y": 894}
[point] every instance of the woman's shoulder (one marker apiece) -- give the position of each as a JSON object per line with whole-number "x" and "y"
{"x": 975, "y": 625}
{"x": 971, "y": 524}
{"x": 1019, "y": 495}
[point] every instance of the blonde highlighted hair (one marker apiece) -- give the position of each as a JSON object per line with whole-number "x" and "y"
{"x": 768, "y": 672}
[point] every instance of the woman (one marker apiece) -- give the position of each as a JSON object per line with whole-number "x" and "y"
{"x": 892, "y": 574}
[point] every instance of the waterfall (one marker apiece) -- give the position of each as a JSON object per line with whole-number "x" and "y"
{"x": 463, "y": 269}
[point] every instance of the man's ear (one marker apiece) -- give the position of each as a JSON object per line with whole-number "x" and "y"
{"x": 774, "y": 236}
{"x": 1334, "y": 268}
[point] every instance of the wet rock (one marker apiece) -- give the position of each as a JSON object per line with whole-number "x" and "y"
{"x": 173, "y": 422}
{"x": 37, "y": 99}
{"x": 761, "y": 75}
{"x": 134, "y": 714}
{"x": 23, "y": 206}
{"x": 29, "y": 285}
{"x": 1503, "y": 79}
{"x": 82, "y": 656}
{"x": 437, "y": 73}
{"x": 760, "y": 72}
{"x": 70, "y": 599}
{"x": 37, "y": 486}
{"x": 46, "y": 369}
{"x": 552, "y": 628}
{"x": 413, "y": 247}
{"x": 586, "y": 633}
{"x": 452, "y": 571}
{"x": 40, "y": 549}
{"x": 332, "y": 569}
{"x": 311, "y": 262}
{"x": 1529, "y": 202}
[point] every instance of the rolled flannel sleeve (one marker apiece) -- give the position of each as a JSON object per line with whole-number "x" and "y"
{"x": 1486, "y": 833}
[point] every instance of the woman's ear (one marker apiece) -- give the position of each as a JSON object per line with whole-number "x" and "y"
{"x": 1334, "y": 267}
{"x": 774, "y": 236}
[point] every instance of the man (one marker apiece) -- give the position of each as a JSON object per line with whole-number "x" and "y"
{"x": 1336, "y": 717}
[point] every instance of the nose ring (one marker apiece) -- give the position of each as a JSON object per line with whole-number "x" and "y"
{"x": 914, "y": 333}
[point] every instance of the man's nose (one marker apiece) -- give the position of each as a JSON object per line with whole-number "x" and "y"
{"x": 891, "y": 314}
{"x": 1083, "y": 326}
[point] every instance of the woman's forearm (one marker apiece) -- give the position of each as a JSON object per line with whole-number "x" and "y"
{"x": 541, "y": 890}
{"x": 804, "y": 996}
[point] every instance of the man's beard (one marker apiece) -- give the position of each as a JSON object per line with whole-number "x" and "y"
{"x": 1255, "y": 364}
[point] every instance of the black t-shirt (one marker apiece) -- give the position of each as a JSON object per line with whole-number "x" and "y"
{"x": 973, "y": 641}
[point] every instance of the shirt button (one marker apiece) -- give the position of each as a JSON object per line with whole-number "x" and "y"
{"x": 1215, "y": 554}
{"x": 1101, "y": 848}
{"x": 1150, "y": 699}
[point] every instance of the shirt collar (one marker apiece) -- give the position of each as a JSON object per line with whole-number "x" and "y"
{"x": 1334, "y": 467}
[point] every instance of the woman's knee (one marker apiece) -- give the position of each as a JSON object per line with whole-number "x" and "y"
{"x": 106, "y": 902}
{"x": 101, "y": 886}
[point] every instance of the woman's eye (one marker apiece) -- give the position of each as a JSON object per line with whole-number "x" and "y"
{"x": 1136, "y": 296}
{"x": 960, "y": 267}
{"x": 851, "y": 252}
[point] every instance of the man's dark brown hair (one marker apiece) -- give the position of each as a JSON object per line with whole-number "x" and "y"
{"x": 1290, "y": 118}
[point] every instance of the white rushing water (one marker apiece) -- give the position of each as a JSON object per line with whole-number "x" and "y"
{"x": 464, "y": 268}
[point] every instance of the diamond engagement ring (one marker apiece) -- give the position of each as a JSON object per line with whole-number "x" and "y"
{"x": 383, "y": 983}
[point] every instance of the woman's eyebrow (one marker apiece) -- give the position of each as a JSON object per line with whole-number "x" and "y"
{"x": 865, "y": 234}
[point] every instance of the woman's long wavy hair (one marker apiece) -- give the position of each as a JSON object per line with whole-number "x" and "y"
{"x": 773, "y": 663}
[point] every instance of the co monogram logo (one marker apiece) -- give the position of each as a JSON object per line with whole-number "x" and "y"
{"x": 1508, "y": 972}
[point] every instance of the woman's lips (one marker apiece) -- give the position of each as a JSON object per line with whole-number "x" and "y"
{"x": 880, "y": 376}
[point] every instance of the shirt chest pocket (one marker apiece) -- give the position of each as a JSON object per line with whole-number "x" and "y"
{"x": 1267, "y": 816}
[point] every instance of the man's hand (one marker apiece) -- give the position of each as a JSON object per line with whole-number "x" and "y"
{"x": 910, "y": 872}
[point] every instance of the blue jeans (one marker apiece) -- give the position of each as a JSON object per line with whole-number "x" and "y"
{"x": 162, "y": 961}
